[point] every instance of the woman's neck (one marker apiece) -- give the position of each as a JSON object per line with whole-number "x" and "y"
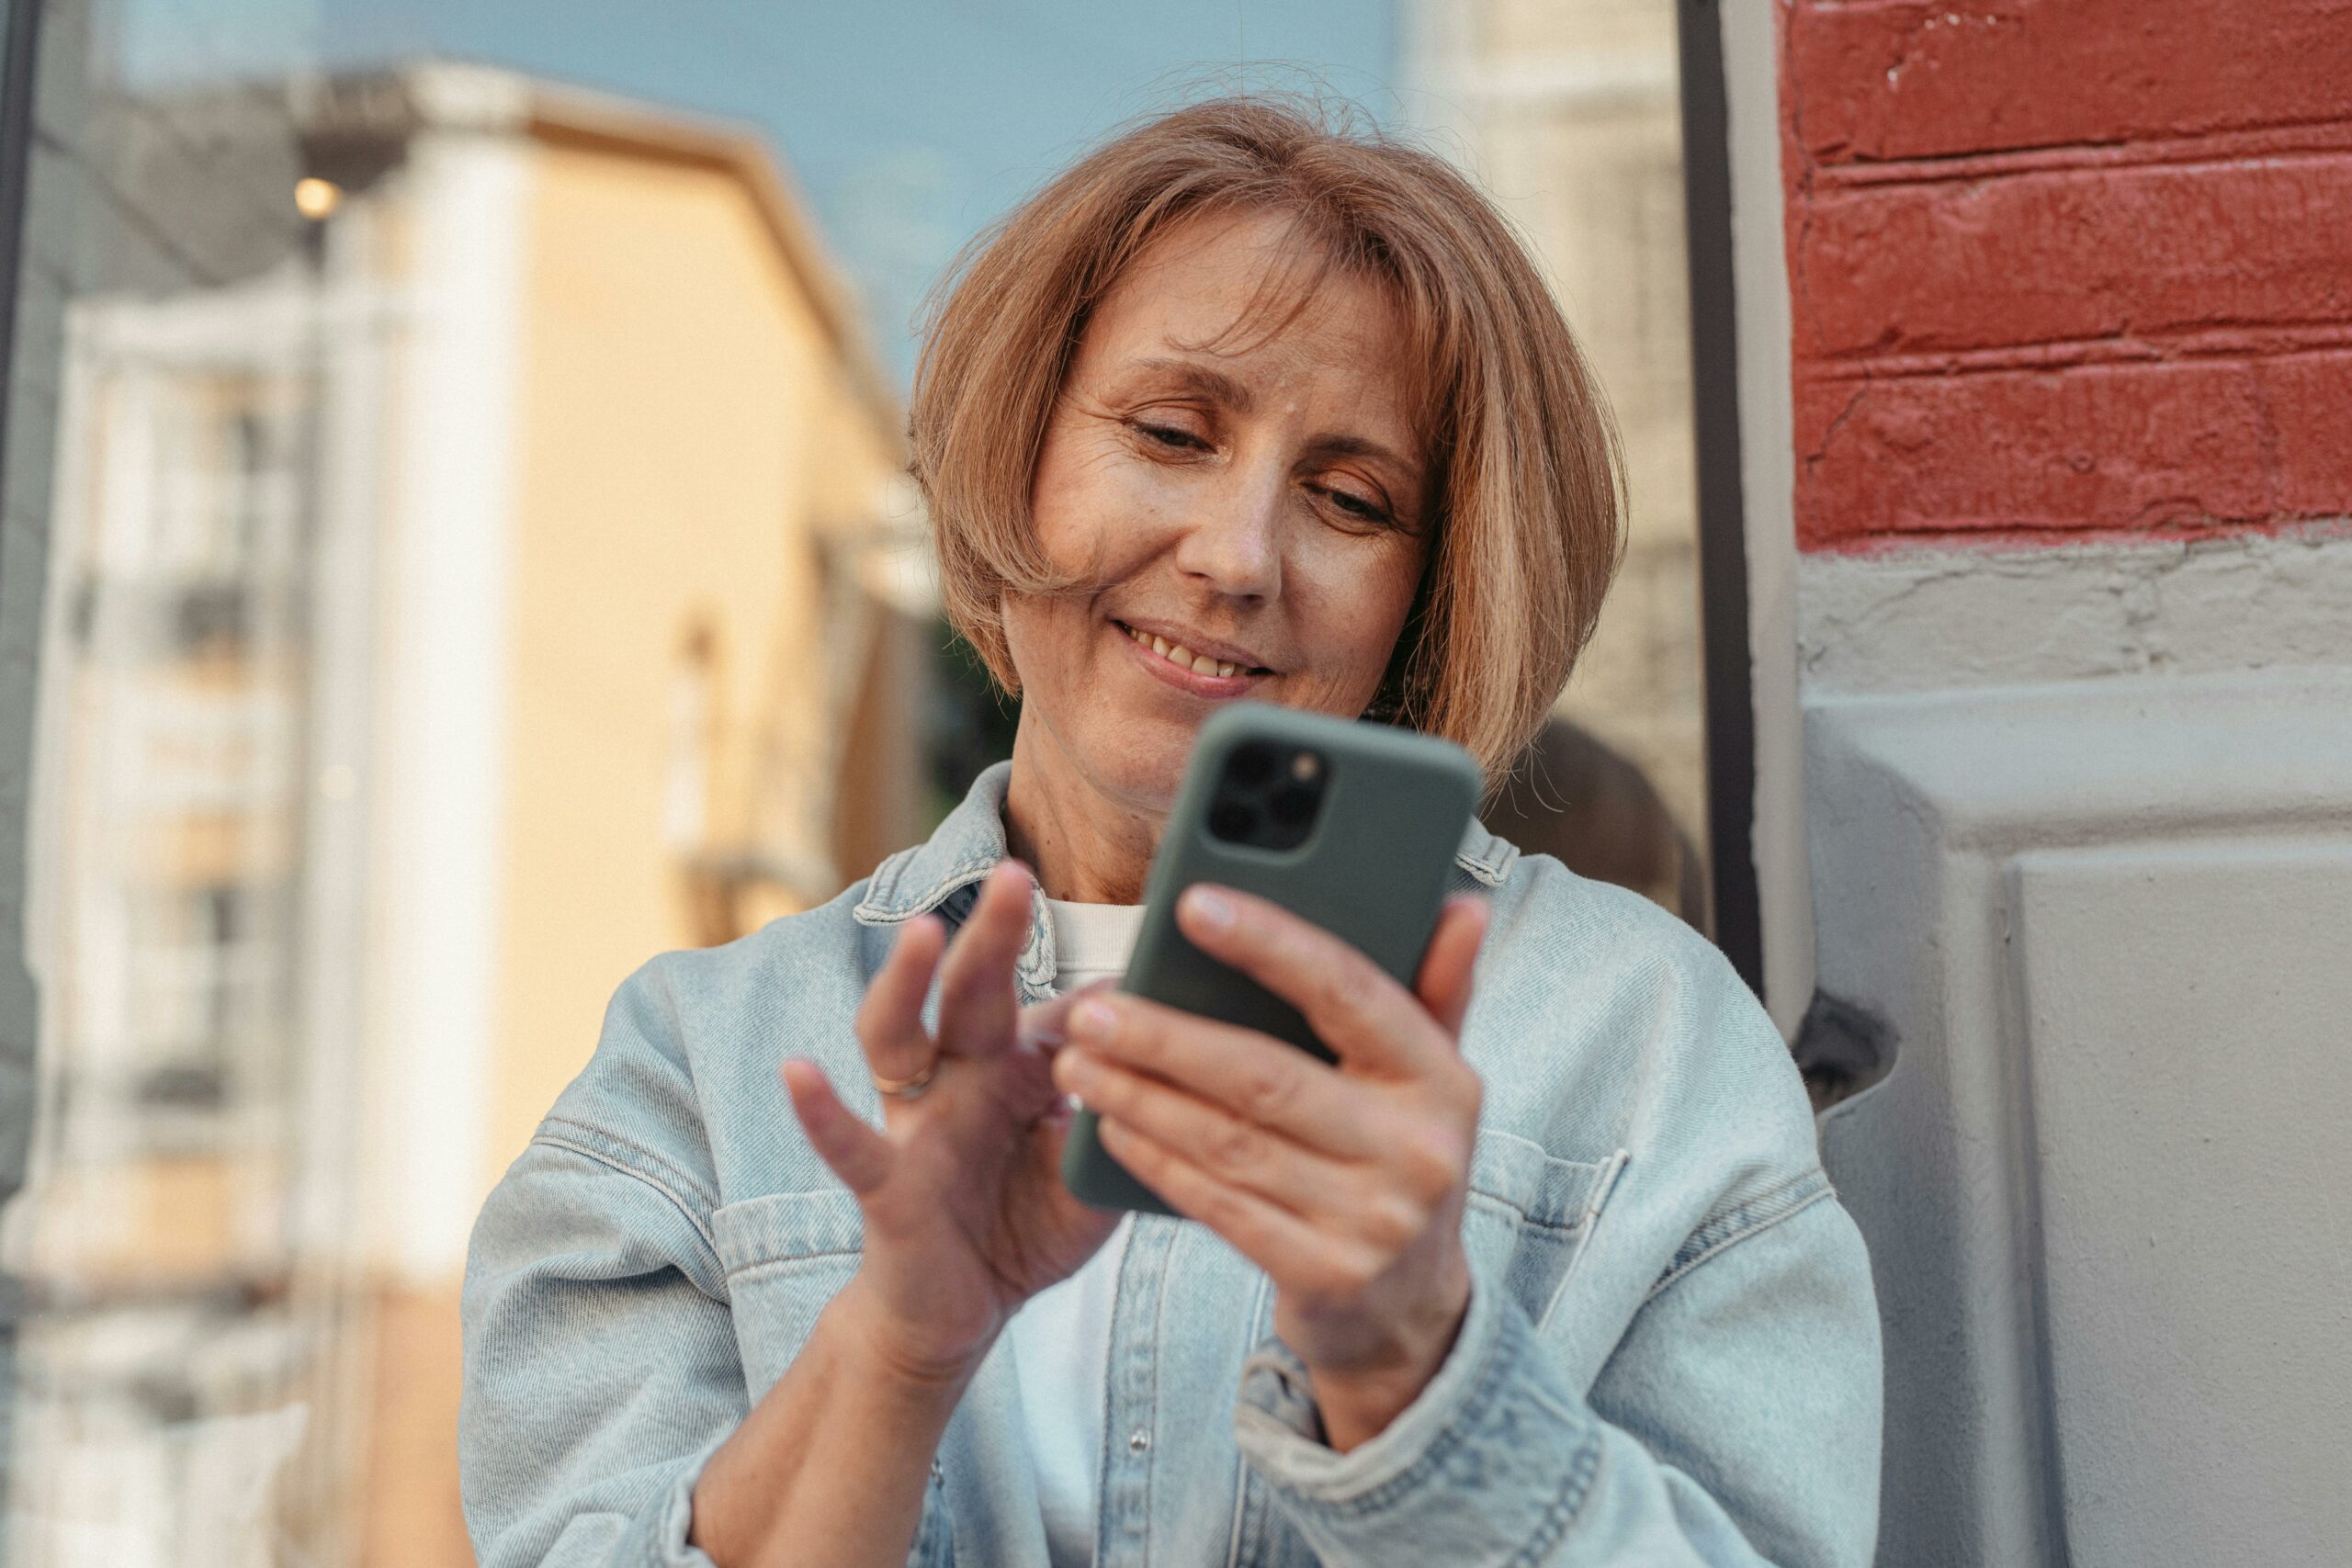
{"x": 1085, "y": 847}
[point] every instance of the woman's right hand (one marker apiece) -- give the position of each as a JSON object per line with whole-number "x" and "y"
{"x": 961, "y": 1189}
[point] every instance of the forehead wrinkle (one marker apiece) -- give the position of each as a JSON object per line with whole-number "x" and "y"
{"x": 1206, "y": 379}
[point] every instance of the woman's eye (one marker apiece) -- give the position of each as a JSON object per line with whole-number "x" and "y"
{"x": 1357, "y": 506}
{"x": 1171, "y": 437}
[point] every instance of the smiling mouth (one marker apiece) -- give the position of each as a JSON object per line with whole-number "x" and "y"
{"x": 1185, "y": 659}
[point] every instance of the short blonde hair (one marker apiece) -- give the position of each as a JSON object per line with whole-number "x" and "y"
{"x": 1526, "y": 475}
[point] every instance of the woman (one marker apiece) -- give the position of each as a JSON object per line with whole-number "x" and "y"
{"x": 1238, "y": 405}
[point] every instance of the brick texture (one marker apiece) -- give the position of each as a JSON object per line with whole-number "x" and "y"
{"x": 1880, "y": 81}
{"x": 2063, "y": 266}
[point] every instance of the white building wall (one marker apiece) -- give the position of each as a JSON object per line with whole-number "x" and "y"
{"x": 439, "y": 731}
{"x": 2074, "y": 825}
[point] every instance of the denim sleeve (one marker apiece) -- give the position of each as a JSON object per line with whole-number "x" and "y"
{"x": 1736, "y": 1422}
{"x": 600, "y": 1363}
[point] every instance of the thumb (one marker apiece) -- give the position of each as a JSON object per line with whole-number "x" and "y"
{"x": 1444, "y": 983}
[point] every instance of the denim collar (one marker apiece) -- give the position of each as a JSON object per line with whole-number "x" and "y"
{"x": 970, "y": 840}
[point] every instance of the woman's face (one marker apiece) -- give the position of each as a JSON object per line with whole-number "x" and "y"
{"x": 1246, "y": 521}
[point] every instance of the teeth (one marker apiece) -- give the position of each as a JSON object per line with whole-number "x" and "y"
{"x": 1176, "y": 653}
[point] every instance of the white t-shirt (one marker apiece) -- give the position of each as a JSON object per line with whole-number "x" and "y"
{"x": 1061, "y": 1336}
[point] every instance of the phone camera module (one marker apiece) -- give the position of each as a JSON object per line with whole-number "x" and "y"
{"x": 1268, "y": 796}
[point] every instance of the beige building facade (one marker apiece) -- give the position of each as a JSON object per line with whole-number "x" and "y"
{"x": 444, "y": 620}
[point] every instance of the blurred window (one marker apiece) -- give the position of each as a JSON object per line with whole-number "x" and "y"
{"x": 456, "y": 546}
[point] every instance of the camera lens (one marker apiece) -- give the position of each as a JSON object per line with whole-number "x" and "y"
{"x": 1233, "y": 821}
{"x": 1252, "y": 764}
{"x": 1293, "y": 807}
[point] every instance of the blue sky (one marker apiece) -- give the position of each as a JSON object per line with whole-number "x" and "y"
{"x": 909, "y": 123}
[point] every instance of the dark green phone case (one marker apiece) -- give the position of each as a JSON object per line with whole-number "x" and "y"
{"x": 1371, "y": 872}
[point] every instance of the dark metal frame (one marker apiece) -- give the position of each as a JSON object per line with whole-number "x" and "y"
{"x": 19, "y": 52}
{"x": 20, "y": 28}
{"x": 1723, "y": 540}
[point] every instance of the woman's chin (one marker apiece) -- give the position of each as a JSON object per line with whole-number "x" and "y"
{"x": 1139, "y": 759}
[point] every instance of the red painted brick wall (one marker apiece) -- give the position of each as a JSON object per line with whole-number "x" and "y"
{"x": 2068, "y": 269}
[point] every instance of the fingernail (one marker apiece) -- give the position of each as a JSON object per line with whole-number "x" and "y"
{"x": 1073, "y": 1072}
{"x": 1212, "y": 910}
{"x": 1090, "y": 1019}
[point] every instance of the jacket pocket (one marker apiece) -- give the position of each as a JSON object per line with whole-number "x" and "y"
{"x": 1529, "y": 1215}
{"x": 786, "y": 1255}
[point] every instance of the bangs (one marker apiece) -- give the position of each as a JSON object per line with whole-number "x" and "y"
{"x": 1523, "y": 487}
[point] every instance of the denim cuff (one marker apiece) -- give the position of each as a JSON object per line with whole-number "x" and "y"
{"x": 1489, "y": 1464}
{"x": 673, "y": 1513}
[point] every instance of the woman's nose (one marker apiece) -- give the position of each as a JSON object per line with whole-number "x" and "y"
{"x": 1233, "y": 545}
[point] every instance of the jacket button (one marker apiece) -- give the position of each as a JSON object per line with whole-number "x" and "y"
{"x": 1139, "y": 1440}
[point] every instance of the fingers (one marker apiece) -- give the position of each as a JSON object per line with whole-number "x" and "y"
{"x": 1242, "y": 1154}
{"x": 1443, "y": 983}
{"x": 1299, "y": 1255}
{"x": 889, "y": 1020}
{"x": 1045, "y": 1026}
{"x": 1254, "y": 1078}
{"x": 851, "y": 1150}
{"x": 980, "y": 1006}
{"x": 1369, "y": 1021}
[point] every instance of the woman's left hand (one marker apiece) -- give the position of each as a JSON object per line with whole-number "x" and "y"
{"x": 1344, "y": 1183}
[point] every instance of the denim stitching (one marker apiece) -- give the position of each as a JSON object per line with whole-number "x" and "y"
{"x": 880, "y": 883}
{"x": 615, "y": 1163}
{"x": 1601, "y": 1179}
{"x": 662, "y": 1162}
{"x": 1487, "y": 869}
{"x": 882, "y": 906}
{"x": 766, "y": 1267}
{"x": 1250, "y": 1526}
{"x": 1720, "y": 1233}
{"x": 1604, "y": 1185}
{"x": 1483, "y": 1394}
{"x": 1575, "y": 1487}
{"x": 1564, "y": 1227}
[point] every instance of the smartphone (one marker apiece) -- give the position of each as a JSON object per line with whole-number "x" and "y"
{"x": 1350, "y": 826}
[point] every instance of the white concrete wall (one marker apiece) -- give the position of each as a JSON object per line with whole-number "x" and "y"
{"x": 2074, "y": 825}
{"x": 2106, "y": 921}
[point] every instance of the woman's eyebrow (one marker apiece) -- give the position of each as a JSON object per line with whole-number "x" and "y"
{"x": 1340, "y": 445}
{"x": 1210, "y": 383}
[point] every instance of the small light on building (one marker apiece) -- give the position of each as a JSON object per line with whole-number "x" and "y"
{"x": 315, "y": 198}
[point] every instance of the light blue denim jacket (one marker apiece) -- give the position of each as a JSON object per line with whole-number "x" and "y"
{"x": 1671, "y": 1353}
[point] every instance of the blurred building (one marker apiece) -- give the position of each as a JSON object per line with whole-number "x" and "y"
{"x": 483, "y": 568}
{"x": 1567, "y": 111}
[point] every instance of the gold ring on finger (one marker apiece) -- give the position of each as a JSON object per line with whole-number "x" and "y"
{"x": 908, "y": 1087}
